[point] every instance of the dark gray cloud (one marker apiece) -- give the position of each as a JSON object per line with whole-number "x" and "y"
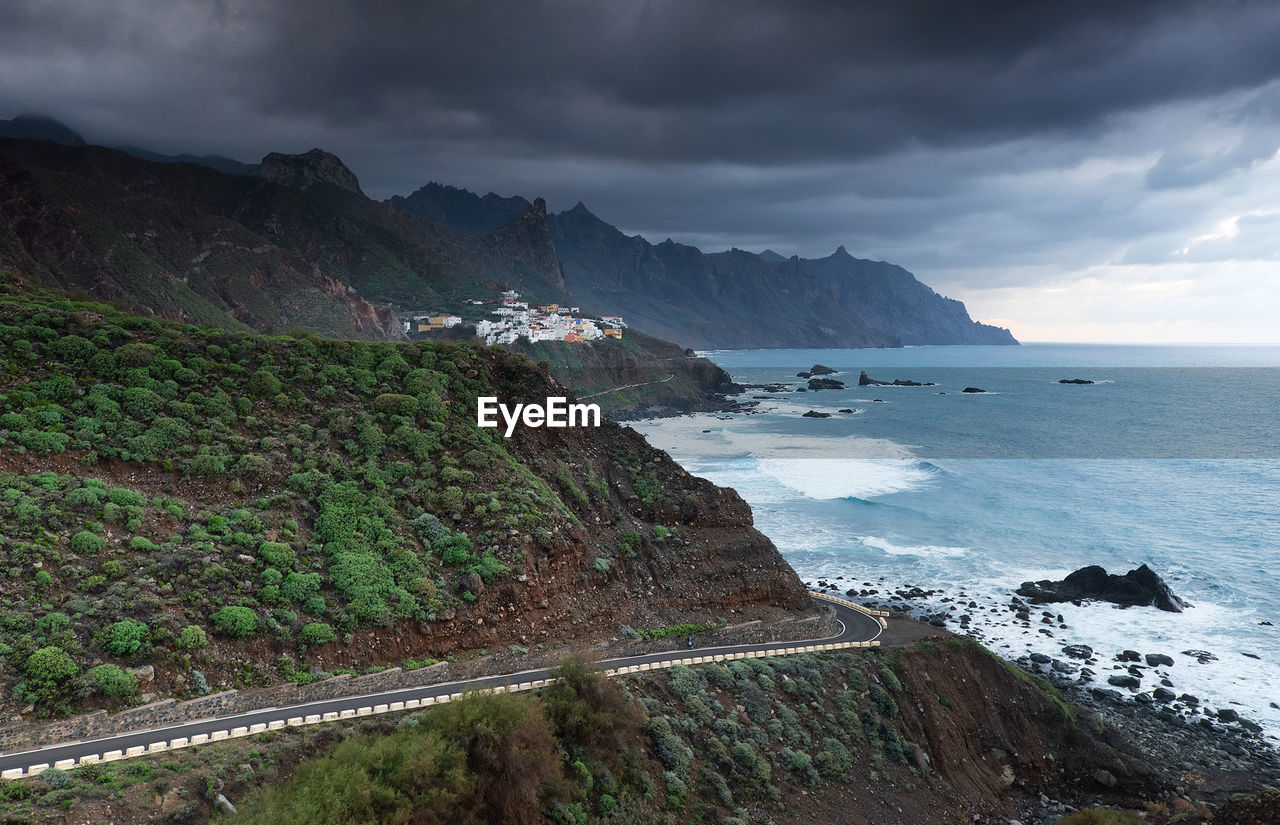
{"x": 982, "y": 144}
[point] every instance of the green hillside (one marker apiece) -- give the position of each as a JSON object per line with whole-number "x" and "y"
{"x": 231, "y": 508}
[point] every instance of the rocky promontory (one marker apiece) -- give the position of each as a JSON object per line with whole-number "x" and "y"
{"x": 1137, "y": 588}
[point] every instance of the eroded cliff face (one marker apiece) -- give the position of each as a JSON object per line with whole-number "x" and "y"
{"x": 678, "y": 548}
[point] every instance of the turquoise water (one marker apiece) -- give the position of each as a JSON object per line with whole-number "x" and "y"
{"x": 1172, "y": 459}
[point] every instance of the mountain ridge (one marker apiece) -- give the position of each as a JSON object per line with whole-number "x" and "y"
{"x": 724, "y": 300}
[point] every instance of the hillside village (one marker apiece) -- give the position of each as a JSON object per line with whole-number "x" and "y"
{"x": 516, "y": 319}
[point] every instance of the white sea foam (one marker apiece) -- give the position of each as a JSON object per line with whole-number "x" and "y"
{"x": 1233, "y": 680}
{"x": 930, "y": 550}
{"x": 831, "y": 478}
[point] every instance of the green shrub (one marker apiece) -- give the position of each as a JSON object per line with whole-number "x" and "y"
{"x": 392, "y": 404}
{"x": 48, "y": 672}
{"x": 263, "y": 384}
{"x": 143, "y": 544}
{"x": 123, "y": 497}
{"x": 236, "y": 621}
{"x": 316, "y": 633}
{"x": 87, "y": 544}
{"x": 191, "y": 637}
{"x": 276, "y": 554}
{"x": 111, "y": 681}
{"x": 124, "y": 637}
{"x": 298, "y": 587}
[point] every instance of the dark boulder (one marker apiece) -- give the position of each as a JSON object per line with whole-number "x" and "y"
{"x": 1078, "y": 651}
{"x": 818, "y": 369}
{"x": 1204, "y": 657}
{"x": 1132, "y": 682}
{"x": 973, "y": 390}
{"x": 1164, "y": 695}
{"x": 1074, "y": 381}
{"x": 845, "y": 410}
{"x": 1159, "y": 659}
{"x": 815, "y": 414}
{"x": 1128, "y": 656}
{"x": 1136, "y": 588}
{"x": 825, "y": 384}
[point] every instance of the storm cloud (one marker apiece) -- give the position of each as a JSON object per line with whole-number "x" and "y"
{"x": 1068, "y": 169}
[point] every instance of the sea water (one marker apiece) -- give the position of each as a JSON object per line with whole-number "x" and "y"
{"x": 1171, "y": 458}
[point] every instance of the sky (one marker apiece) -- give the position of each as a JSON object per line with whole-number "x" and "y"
{"x": 1075, "y": 171}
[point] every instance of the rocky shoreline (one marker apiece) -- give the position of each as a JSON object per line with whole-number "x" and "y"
{"x": 1206, "y": 752}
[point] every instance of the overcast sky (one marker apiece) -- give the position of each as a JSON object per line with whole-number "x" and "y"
{"x": 1074, "y": 171}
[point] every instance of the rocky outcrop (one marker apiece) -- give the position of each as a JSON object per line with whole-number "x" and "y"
{"x": 973, "y": 390}
{"x": 815, "y": 414}
{"x": 825, "y": 384}
{"x": 865, "y": 380}
{"x": 1137, "y": 588}
{"x": 1074, "y": 381}
{"x": 307, "y": 170}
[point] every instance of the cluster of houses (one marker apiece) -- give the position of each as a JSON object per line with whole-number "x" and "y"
{"x": 516, "y": 319}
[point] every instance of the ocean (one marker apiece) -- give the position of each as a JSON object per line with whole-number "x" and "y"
{"x": 1171, "y": 458}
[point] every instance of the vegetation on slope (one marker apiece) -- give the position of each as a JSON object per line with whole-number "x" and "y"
{"x": 216, "y": 503}
{"x": 820, "y": 737}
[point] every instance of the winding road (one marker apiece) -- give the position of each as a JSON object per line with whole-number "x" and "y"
{"x": 858, "y": 628}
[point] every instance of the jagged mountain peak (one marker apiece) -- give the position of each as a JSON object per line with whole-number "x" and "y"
{"x": 305, "y": 170}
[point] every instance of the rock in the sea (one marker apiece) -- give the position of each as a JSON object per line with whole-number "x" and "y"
{"x": 1124, "y": 681}
{"x": 815, "y": 414}
{"x": 1041, "y": 658}
{"x": 825, "y": 384}
{"x": 818, "y": 369}
{"x": 1074, "y": 381}
{"x": 1078, "y": 651}
{"x": 846, "y": 410}
{"x": 972, "y": 389}
{"x": 1164, "y": 695}
{"x": 1204, "y": 657}
{"x": 1138, "y": 587}
{"x": 1128, "y": 656}
{"x": 1159, "y": 659}
{"x": 1228, "y": 715}
{"x": 865, "y": 380}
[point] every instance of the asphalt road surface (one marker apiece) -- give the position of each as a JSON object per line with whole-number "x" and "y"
{"x": 855, "y": 627}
